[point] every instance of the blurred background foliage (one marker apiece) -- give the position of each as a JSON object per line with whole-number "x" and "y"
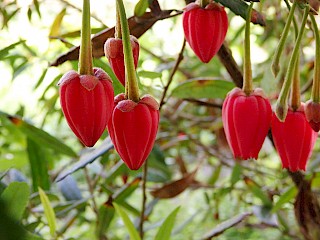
{"x": 54, "y": 188}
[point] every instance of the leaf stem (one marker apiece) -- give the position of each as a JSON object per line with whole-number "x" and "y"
{"x": 316, "y": 75}
{"x": 132, "y": 88}
{"x": 282, "y": 103}
{"x": 85, "y": 58}
{"x": 295, "y": 91}
{"x": 276, "y": 59}
{"x": 247, "y": 81}
{"x": 118, "y": 33}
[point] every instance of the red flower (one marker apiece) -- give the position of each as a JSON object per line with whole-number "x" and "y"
{"x": 294, "y": 139}
{"x": 312, "y": 111}
{"x": 205, "y": 29}
{"x": 246, "y": 121}
{"x": 133, "y": 128}
{"x": 113, "y": 49}
{"x": 87, "y": 103}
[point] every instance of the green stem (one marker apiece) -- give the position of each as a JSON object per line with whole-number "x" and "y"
{"x": 132, "y": 88}
{"x": 277, "y": 55}
{"x": 295, "y": 91}
{"x": 118, "y": 33}
{"x": 316, "y": 75}
{"x": 85, "y": 58}
{"x": 282, "y": 103}
{"x": 247, "y": 78}
{"x": 204, "y": 3}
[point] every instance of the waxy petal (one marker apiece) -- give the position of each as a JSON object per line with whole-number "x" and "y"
{"x": 246, "y": 121}
{"x": 133, "y": 128}
{"x": 113, "y": 49}
{"x": 87, "y": 103}
{"x": 294, "y": 139}
{"x": 205, "y": 29}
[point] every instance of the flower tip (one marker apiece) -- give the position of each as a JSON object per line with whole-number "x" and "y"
{"x": 281, "y": 112}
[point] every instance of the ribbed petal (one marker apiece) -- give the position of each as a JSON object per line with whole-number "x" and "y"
{"x": 294, "y": 140}
{"x": 205, "y": 29}
{"x": 246, "y": 121}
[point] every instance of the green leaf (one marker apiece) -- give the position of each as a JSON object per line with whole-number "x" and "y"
{"x": 37, "y": 6}
{"x": 258, "y": 192}
{"x": 48, "y": 211}
{"x": 141, "y": 7}
{"x": 5, "y": 51}
{"x": 41, "y": 137}
{"x": 240, "y": 8}
{"x": 106, "y": 214}
{"x": 38, "y": 164}
{"x": 202, "y": 88}
{"x": 285, "y": 198}
{"x": 167, "y": 226}
{"x": 40, "y": 80}
{"x": 149, "y": 74}
{"x": 215, "y": 175}
{"x": 16, "y": 195}
{"x": 56, "y": 25}
{"x": 236, "y": 174}
{"x": 129, "y": 225}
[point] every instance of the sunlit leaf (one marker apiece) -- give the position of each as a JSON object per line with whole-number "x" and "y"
{"x": 56, "y": 25}
{"x": 129, "y": 225}
{"x": 16, "y": 195}
{"x": 48, "y": 211}
{"x": 5, "y": 51}
{"x": 202, "y": 88}
{"x": 141, "y": 7}
{"x": 167, "y": 226}
{"x": 149, "y": 74}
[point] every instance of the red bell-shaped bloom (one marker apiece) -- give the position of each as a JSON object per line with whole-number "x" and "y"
{"x": 246, "y": 121}
{"x": 312, "y": 111}
{"x": 294, "y": 139}
{"x": 205, "y": 29}
{"x": 133, "y": 128}
{"x": 87, "y": 103}
{"x": 113, "y": 50}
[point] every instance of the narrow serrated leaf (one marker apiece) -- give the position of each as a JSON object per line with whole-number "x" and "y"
{"x": 166, "y": 228}
{"x": 129, "y": 225}
{"x": 16, "y": 195}
{"x": 48, "y": 211}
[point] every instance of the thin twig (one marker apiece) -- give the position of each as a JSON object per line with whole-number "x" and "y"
{"x": 174, "y": 70}
{"x": 144, "y": 198}
{"x": 91, "y": 190}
